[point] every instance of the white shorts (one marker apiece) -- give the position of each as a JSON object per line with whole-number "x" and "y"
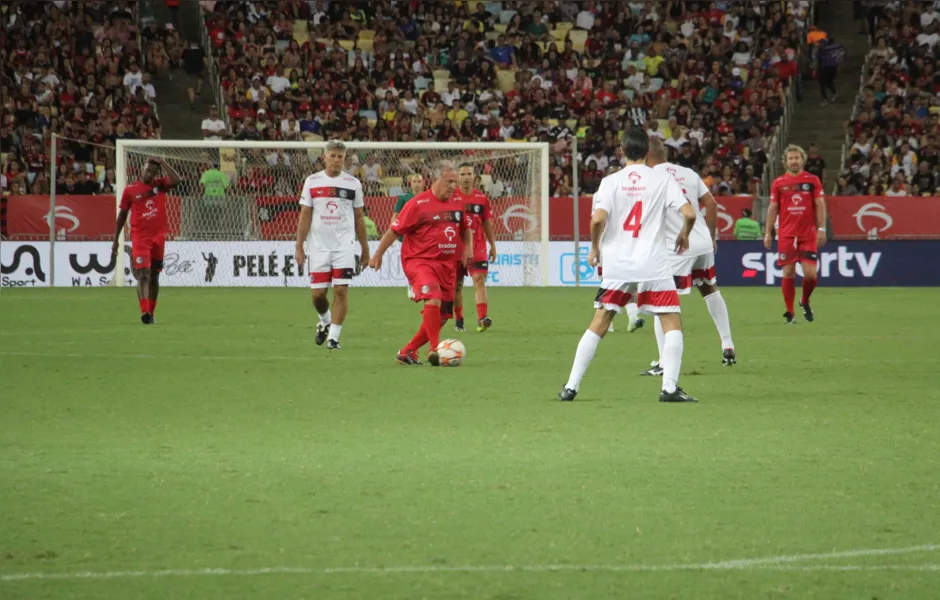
{"x": 331, "y": 267}
{"x": 653, "y": 297}
{"x": 693, "y": 271}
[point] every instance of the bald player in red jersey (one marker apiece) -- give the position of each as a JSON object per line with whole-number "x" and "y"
{"x": 477, "y": 206}
{"x": 145, "y": 201}
{"x": 799, "y": 199}
{"x": 436, "y": 237}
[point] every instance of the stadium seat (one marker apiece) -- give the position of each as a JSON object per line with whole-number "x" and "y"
{"x": 347, "y": 44}
{"x": 440, "y": 85}
{"x": 564, "y": 26}
{"x": 500, "y": 27}
{"x": 578, "y": 37}
{"x": 441, "y": 74}
{"x": 366, "y": 34}
{"x": 365, "y": 44}
{"x": 506, "y": 16}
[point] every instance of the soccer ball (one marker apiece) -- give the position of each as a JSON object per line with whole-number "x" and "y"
{"x": 451, "y": 353}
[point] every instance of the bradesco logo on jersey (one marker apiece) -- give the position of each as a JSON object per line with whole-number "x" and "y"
{"x": 841, "y": 262}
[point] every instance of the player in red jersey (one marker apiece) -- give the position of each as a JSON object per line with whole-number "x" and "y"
{"x": 145, "y": 201}
{"x": 799, "y": 198}
{"x": 434, "y": 229}
{"x": 477, "y": 207}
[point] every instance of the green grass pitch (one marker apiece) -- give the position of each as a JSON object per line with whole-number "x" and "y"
{"x": 222, "y": 455}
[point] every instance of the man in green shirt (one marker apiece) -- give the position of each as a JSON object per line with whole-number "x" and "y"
{"x": 212, "y": 207}
{"x": 746, "y": 228}
{"x": 372, "y": 231}
{"x": 416, "y": 186}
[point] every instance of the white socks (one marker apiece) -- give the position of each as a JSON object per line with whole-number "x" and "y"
{"x": 719, "y": 312}
{"x": 660, "y": 338}
{"x": 335, "y": 330}
{"x": 326, "y": 318}
{"x": 582, "y": 358}
{"x": 633, "y": 311}
{"x": 671, "y": 360}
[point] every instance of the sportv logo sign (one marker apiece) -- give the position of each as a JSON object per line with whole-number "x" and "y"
{"x": 842, "y": 262}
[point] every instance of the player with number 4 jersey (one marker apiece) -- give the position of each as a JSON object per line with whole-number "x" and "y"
{"x": 628, "y": 233}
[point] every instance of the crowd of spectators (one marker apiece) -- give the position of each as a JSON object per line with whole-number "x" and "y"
{"x": 74, "y": 69}
{"x": 892, "y": 144}
{"x": 710, "y": 78}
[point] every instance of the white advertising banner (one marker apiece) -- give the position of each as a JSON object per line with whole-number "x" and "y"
{"x": 254, "y": 264}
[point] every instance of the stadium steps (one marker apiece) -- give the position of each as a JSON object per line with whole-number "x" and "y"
{"x": 177, "y": 121}
{"x": 825, "y": 125}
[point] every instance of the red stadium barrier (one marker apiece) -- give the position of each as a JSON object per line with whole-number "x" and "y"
{"x": 884, "y": 217}
{"x": 852, "y": 217}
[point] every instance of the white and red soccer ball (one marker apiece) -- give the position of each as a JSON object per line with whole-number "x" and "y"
{"x": 451, "y": 353}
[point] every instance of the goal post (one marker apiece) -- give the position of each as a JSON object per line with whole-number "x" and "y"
{"x": 233, "y": 217}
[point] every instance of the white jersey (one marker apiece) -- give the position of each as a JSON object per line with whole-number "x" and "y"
{"x": 634, "y": 245}
{"x": 332, "y": 200}
{"x": 693, "y": 188}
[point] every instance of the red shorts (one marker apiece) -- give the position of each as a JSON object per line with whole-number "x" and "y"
{"x": 477, "y": 265}
{"x": 791, "y": 249}
{"x": 147, "y": 252}
{"x": 432, "y": 280}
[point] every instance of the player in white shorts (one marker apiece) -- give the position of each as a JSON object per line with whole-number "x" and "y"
{"x": 330, "y": 223}
{"x": 695, "y": 266}
{"x": 628, "y": 234}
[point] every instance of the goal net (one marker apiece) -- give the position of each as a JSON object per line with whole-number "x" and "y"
{"x": 233, "y": 217}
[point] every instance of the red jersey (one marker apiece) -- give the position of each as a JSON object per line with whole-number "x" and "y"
{"x": 796, "y": 196}
{"x": 147, "y": 203}
{"x": 432, "y": 228}
{"x": 477, "y": 206}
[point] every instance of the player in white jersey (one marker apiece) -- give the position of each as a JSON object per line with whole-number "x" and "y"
{"x": 628, "y": 233}
{"x": 696, "y": 266}
{"x": 634, "y": 321}
{"x": 331, "y": 221}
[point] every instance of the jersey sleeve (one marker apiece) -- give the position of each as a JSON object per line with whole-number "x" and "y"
{"x": 162, "y": 184}
{"x": 358, "y": 200}
{"x": 774, "y": 193}
{"x": 406, "y": 221}
{"x": 604, "y": 196}
{"x": 126, "y": 200}
{"x": 700, "y": 188}
{"x": 818, "y": 190}
{"x": 674, "y": 196}
{"x": 487, "y": 210}
{"x": 305, "y": 199}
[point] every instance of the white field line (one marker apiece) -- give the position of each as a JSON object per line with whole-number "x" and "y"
{"x": 775, "y": 563}
{"x": 255, "y": 358}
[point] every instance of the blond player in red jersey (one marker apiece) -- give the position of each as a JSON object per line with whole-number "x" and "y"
{"x": 477, "y": 207}
{"x": 798, "y": 198}
{"x": 145, "y": 201}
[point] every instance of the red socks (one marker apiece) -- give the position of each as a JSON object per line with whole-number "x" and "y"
{"x": 789, "y": 292}
{"x": 808, "y": 286}
{"x": 420, "y": 339}
{"x": 432, "y": 324}
{"x": 458, "y": 312}
{"x": 481, "y": 311}
{"x": 144, "y": 305}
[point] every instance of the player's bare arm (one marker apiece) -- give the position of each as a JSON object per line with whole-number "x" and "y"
{"x": 682, "y": 240}
{"x": 121, "y": 221}
{"x": 359, "y": 216}
{"x": 387, "y": 240}
{"x": 467, "y": 237}
{"x": 170, "y": 172}
{"x": 303, "y": 230}
{"x": 711, "y": 217}
{"x": 769, "y": 223}
{"x": 820, "y": 202}
{"x": 598, "y": 222}
{"x": 491, "y": 238}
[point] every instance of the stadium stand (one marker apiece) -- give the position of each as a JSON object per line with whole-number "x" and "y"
{"x": 74, "y": 69}
{"x": 710, "y": 78}
{"x": 891, "y": 142}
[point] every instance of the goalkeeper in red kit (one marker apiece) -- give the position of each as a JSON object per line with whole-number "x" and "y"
{"x": 437, "y": 236}
{"x": 479, "y": 215}
{"x": 798, "y": 198}
{"x": 145, "y": 201}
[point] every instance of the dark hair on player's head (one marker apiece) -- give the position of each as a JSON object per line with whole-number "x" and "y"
{"x": 464, "y": 164}
{"x": 635, "y": 143}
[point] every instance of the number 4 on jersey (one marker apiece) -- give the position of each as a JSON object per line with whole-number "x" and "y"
{"x": 632, "y": 223}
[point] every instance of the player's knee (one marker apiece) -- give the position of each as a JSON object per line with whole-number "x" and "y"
{"x": 142, "y": 274}
{"x": 479, "y": 280}
{"x": 340, "y": 292}
{"x": 707, "y": 289}
{"x": 789, "y": 271}
{"x": 318, "y": 293}
{"x": 432, "y": 302}
{"x": 809, "y": 270}
{"x": 670, "y": 321}
{"x": 601, "y": 321}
